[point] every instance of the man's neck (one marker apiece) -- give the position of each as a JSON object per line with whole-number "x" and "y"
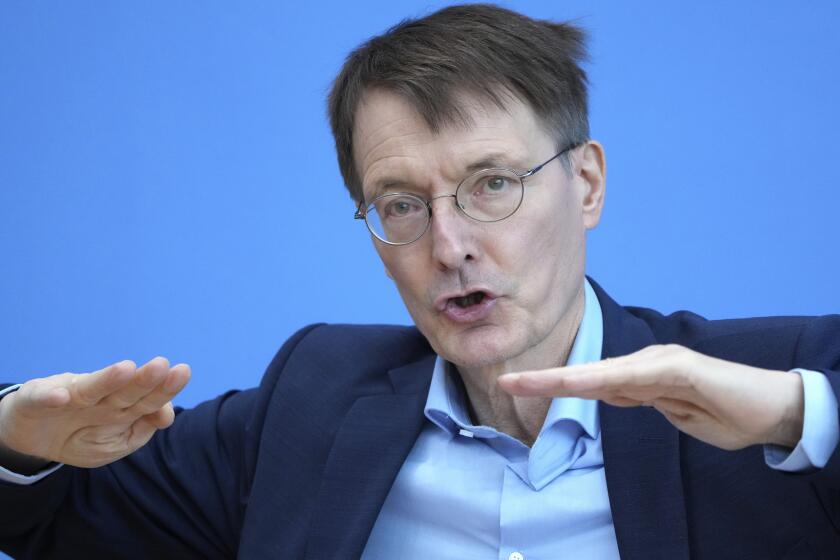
{"x": 520, "y": 417}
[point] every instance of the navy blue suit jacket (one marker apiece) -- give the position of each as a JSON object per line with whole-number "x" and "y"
{"x": 300, "y": 466}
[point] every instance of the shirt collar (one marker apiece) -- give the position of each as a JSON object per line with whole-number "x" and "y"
{"x": 446, "y": 401}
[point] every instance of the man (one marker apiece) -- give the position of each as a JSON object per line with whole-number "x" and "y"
{"x": 463, "y": 139}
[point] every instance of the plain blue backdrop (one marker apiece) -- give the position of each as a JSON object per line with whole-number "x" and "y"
{"x": 168, "y": 184}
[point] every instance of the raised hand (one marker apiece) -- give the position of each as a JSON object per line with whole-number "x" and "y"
{"x": 725, "y": 404}
{"x": 91, "y": 419}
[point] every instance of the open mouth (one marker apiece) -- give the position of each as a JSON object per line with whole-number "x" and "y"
{"x": 469, "y": 300}
{"x": 473, "y": 306}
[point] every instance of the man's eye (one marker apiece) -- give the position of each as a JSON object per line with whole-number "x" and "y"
{"x": 401, "y": 208}
{"x": 494, "y": 185}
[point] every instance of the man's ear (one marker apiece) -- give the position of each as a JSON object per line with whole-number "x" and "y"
{"x": 592, "y": 170}
{"x": 388, "y": 273}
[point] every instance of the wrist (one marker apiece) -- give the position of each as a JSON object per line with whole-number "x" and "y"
{"x": 788, "y": 431}
{"x": 13, "y": 460}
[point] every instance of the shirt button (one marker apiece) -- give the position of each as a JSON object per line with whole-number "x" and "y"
{"x": 516, "y": 556}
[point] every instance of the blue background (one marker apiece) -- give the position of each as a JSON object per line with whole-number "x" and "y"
{"x": 168, "y": 184}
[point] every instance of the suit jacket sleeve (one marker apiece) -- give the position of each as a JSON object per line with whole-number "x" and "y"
{"x": 819, "y": 349}
{"x": 182, "y": 495}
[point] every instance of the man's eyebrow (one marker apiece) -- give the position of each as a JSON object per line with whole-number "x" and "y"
{"x": 384, "y": 184}
{"x": 489, "y": 161}
{"x": 387, "y": 183}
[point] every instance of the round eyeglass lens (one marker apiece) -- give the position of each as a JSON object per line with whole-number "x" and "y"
{"x": 397, "y": 218}
{"x": 490, "y": 195}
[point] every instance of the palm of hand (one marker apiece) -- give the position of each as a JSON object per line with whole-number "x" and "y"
{"x": 89, "y": 420}
{"x": 725, "y": 404}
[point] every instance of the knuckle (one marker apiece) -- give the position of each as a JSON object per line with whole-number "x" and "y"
{"x": 128, "y": 364}
{"x": 120, "y": 402}
{"x": 146, "y": 380}
{"x": 122, "y": 415}
{"x": 79, "y": 393}
{"x": 634, "y": 376}
{"x": 32, "y": 386}
{"x": 672, "y": 349}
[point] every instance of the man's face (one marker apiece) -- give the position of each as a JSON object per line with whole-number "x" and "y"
{"x": 523, "y": 275}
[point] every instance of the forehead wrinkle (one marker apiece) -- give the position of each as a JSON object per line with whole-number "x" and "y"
{"x": 412, "y": 150}
{"x": 377, "y": 113}
{"x": 386, "y": 146}
{"x": 390, "y": 159}
{"x": 375, "y": 179}
{"x": 372, "y": 155}
{"x": 447, "y": 167}
{"x": 502, "y": 151}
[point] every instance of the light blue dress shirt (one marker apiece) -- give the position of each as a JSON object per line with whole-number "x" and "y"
{"x": 472, "y": 492}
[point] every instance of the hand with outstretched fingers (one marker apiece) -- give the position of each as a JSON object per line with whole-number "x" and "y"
{"x": 726, "y": 404}
{"x": 91, "y": 419}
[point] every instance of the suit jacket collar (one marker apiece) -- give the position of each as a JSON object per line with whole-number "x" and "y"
{"x": 641, "y": 459}
{"x": 371, "y": 445}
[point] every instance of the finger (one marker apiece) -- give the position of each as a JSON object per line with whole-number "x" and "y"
{"x": 145, "y": 427}
{"x": 680, "y": 408}
{"x": 642, "y": 375}
{"x": 142, "y": 431}
{"x": 616, "y": 374}
{"x": 162, "y": 417}
{"x": 145, "y": 380}
{"x": 88, "y": 389}
{"x": 624, "y": 402}
{"x": 674, "y": 418}
{"x": 562, "y": 381}
{"x": 177, "y": 378}
{"x": 557, "y": 382}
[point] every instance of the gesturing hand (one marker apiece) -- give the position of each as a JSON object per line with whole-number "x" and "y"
{"x": 725, "y": 404}
{"x": 92, "y": 419}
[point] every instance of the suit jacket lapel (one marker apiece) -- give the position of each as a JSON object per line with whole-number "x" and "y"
{"x": 641, "y": 457}
{"x": 375, "y": 437}
{"x": 641, "y": 460}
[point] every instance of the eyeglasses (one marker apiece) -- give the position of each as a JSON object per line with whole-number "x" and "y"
{"x": 489, "y": 195}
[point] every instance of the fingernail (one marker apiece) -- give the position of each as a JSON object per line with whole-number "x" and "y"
{"x": 511, "y": 377}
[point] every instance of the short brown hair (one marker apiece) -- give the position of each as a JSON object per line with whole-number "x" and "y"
{"x": 478, "y": 49}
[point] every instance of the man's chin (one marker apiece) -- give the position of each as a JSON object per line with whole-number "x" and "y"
{"x": 473, "y": 352}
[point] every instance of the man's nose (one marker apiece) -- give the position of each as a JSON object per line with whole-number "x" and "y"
{"x": 451, "y": 233}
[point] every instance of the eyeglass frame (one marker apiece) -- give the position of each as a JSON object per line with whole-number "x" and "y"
{"x": 360, "y": 215}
